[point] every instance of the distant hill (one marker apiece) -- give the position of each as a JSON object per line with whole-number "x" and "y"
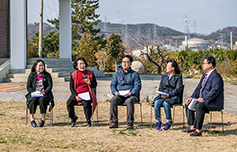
{"x": 135, "y": 36}
{"x": 33, "y": 28}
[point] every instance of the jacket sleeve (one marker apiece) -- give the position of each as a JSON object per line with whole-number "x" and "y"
{"x": 94, "y": 82}
{"x": 73, "y": 91}
{"x": 50, "y": 84}
{"x": 137, "y": 84}
{"x": 178, "y": 87}
{"x": 216, "y": 86}
{"x": 29, "y": 84}
{"x": 114, "y": 83}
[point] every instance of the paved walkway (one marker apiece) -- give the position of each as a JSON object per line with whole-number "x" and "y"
{"x": 150, "y": 83}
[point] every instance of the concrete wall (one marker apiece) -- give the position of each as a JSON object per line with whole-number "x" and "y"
{"x": 4, "y": 69}
{"x": 4, "y": 29}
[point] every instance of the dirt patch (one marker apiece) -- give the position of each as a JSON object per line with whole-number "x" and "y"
{"x": 15, "y": 136}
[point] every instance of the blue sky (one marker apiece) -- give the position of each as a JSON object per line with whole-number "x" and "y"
{"x": 209, "y": 15}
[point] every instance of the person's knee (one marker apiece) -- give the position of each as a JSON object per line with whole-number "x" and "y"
{"x": 114, "y": 100}
{"x": 157, "y": 103}
{"x": 200, "y": 106}
{"x": 165, "y": 104}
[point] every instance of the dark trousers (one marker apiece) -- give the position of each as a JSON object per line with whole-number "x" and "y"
{"x": 197, "y": 121}
{"x": 129, "y": 102}
{"x": 71, "y": 102}
{"x": 42, "y": 102}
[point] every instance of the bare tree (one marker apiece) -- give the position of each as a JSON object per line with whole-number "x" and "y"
{"x": 160, "y": 53}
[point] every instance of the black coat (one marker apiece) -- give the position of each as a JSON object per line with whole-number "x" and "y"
{"x": 173, "y": 87}
{"x": 47, "y": 83}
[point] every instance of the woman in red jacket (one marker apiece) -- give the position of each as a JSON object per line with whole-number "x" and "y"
{"x": 81, "y": 83}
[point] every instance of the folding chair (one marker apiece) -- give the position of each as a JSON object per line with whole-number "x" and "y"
{"x": 221, "y": 111}
{"x": 138, "y": 102}
{"x": 173, "y": 106}
{"x": 97, "y": 107}
{"x": 51, "y": 114}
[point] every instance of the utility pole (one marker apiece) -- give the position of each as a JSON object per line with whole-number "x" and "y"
{"x": 231, "y": 41}
{"x": 41, "y": 29}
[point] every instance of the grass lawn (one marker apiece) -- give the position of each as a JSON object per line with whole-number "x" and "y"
{"x": 15, "y": 136}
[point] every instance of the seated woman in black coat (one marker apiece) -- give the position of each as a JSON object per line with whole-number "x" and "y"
{"x": 171, "y": 83}
{"x": 39, "y": 81}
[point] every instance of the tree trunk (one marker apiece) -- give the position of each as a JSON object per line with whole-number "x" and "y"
{"x": 115, "y": 61}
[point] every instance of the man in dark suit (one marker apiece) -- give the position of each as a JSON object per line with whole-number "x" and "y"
{"x": 209, "y": 95}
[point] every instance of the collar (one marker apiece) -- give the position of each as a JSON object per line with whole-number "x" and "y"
{"x": 208, "y": 74}
{"x": 129, "y": 70}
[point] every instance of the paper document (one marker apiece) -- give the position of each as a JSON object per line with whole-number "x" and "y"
{"x": 192, "y": 105}
{"x": 162, "y": 93}
{"x": 36, "y": 94}
{"x": 85, "y": 96}
{"x": 124, "y": 93}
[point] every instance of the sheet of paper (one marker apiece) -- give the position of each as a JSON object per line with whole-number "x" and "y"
{"x": 124, "y": 93}
{"x": 85, "y": 96}
{"x": 192, "y": 105}
{"x": 36, "y": 94}
{"x": 162, "y": 93}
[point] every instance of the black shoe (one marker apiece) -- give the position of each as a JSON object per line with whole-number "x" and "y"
{"x": 88, "y": 123}
{"x": 196, "y": 133}
{"x": 113, "y": 125}
{"x": 33, "y": 124}
{"x": 41, "y": 124}
{"x": 130, "y": 126}
{"x": 188, "y": 130}
{"x": 74, "y": 121}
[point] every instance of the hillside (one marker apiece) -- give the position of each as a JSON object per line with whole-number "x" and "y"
{"x": 137, "y": 35}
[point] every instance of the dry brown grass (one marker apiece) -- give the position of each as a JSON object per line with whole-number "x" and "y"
{"x": 15, "y": 136}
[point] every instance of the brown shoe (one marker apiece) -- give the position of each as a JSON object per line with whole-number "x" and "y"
{"x": 130, "y": 126}
{"x": 188, "y": 130}
{"x": 196, "y": 133}
{"x": 113, "y": 125}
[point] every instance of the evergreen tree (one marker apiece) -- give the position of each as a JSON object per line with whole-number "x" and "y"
{"x": 87, "y": 49}
{"x": 114, "y": 48}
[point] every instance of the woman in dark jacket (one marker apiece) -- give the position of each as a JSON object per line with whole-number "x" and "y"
{"x": 171, "y": 83}
{"x": 39, "y": 81}
{"x": 81, "y": 82}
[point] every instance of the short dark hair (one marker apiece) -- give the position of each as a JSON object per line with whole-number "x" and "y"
{"x": 211, "y": 59}
{"x": 175, "y": 65}
{"x": 35, "y": 64}
{"x": 129, "y": 57}
{"x": 79, "y": 58}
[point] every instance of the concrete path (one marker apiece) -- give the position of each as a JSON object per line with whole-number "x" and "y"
{"x": 150, "y": 84}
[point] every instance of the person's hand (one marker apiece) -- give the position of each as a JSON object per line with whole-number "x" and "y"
{"x": 87, "y": 81}
{"x": 116, "y": 94}
{"x": 200, "y": 100}
{"x": 43, "y": 93}
{"x": 129, "y": 94}
{"x": 78, "y": 99}
{"x": 164, "y": 96}
{"x": 187, "y": 102}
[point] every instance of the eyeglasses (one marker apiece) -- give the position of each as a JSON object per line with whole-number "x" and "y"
{"x": 205, "y": 63}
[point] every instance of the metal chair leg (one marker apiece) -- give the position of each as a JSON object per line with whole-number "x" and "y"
{"x": 97, "y": 113}
{"x": 222, "y": 121}
{"x": 183, "y": 116}
{"x": 151, "y": 119}
{"x": 26, "y": 115}
{"x": 141, "y": 113}
{"x": 210, "y": 120}
{"x": 173, "y": 116}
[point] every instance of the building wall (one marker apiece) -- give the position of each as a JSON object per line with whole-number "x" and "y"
{"x": 4, "y": 29}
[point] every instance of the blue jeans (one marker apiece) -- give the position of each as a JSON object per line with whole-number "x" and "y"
{"x": 158, "y": 103}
